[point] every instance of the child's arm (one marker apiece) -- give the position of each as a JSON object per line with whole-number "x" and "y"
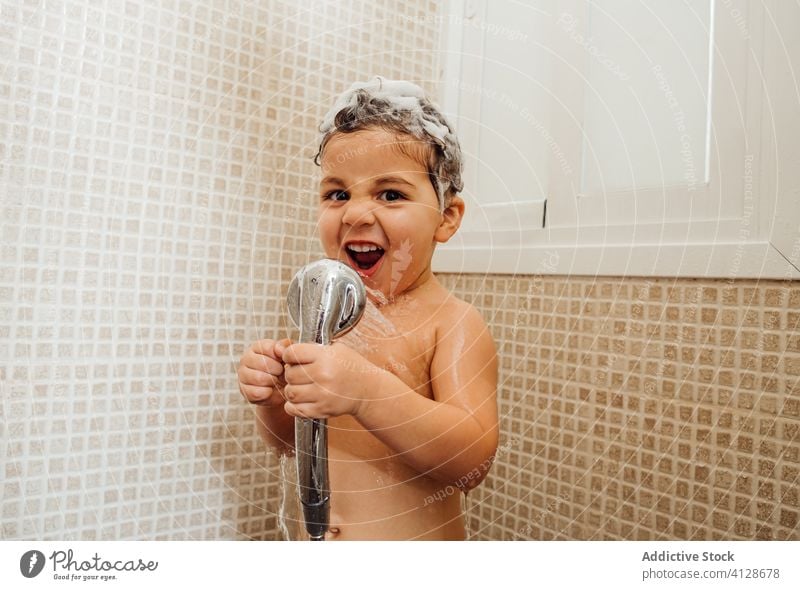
{"x": 451, "y": 438}
{"x": 261, "y": 382}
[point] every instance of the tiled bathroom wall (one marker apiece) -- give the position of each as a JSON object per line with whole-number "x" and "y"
{"x": 642, "y": 408}
{"x": 157, "y": 195}
{"x": 156, "y": 185}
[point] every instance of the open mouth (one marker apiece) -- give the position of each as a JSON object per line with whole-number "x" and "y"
{"x": 365, "y": 256}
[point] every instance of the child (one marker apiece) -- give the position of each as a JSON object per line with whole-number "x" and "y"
{"x": 409, "y": 394}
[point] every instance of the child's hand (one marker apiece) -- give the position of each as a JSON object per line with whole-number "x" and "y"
{"x": 261, "y": 373}
{"x": 326, "y": 381}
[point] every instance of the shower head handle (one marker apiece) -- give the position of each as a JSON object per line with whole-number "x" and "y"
{"x": 326, "y": 299}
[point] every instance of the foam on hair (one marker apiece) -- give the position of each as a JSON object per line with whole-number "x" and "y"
{"x": 402, "y": 107}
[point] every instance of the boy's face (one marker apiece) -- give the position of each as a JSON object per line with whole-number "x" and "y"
{"x": 378, "y": 210}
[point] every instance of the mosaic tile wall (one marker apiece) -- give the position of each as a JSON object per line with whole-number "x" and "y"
{"x": 155, "y": 184}
{"x": 156, "y": 180}
{"x": 642, "y": 408}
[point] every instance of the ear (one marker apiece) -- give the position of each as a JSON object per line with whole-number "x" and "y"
{"x": 451, "y": 220}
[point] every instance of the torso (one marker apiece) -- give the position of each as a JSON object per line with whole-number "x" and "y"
{"x": 375, "y": 495}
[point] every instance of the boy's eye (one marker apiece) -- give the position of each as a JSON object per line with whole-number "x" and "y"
{"x": 337, "y": 195}
{"x": 392, "y": 196}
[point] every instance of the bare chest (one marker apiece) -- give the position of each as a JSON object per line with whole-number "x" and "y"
{"x": 395, "y": 342}
{"x": 398, "y": 342}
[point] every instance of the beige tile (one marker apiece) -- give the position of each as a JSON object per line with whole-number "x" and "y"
{"x": 168, "y": 199}
{"x": 718, "y": 464}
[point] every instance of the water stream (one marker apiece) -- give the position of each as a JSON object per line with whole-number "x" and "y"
{"x": 289, "y": 512}
{"x": 465, "y": 511}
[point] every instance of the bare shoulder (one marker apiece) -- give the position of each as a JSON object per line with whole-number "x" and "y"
{"x": 462, "y": 335}
{"x": 457, "y": 318}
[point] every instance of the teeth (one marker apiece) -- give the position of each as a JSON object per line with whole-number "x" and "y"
{"x": 363, "y": 247}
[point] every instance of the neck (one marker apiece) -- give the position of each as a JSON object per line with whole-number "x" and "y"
{"x": 425, "y": 281}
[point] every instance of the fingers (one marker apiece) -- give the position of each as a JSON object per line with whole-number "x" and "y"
{"x": 309, "y": 410}
{"x": 262, "y": 373}
{"x": 262, "y": 396}
{"x": 298, "y": 375}
{"x": 260, "y": 378}
{"x": 261, "y": 357}
{"x": 301, "y": 353}
{"x": 293, "y": 410}
{"x": 280, "y": 347}
{"x": 265, "y": 347}
{"x": 309, "y": 393}
{"x": 301, "y": 394}
{"x": 304, "y": 411}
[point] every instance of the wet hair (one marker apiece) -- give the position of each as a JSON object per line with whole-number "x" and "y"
{"x": 400, "y": 107}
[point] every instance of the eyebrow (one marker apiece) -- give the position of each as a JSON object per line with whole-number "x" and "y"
{"x": 380, "y": 181}
{"x": 392, "y": 180}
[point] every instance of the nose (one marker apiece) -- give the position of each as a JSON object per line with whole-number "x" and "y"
{"x": 359, "y": 212}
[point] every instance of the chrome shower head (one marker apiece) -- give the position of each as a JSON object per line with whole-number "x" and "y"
{"x": 326, "y": 299}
